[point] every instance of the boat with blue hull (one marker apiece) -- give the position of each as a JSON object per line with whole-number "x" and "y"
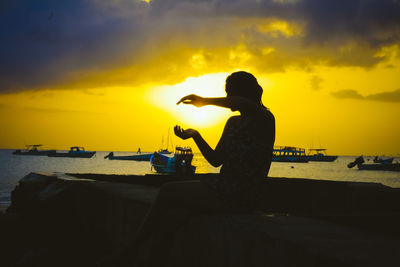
{"x": 180, "y": 162}
{"x": 74, "y": 152}
{"x": 319, "y": 154}
{"x": 290, "y": 154}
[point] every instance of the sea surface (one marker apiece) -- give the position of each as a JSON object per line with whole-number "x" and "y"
{"x": 14, "y": 167}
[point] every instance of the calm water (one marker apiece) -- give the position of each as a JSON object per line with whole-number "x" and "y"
{"x": 13, "y": 168}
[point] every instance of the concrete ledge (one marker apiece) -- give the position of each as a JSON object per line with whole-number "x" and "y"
{"x": 62, "y": 220}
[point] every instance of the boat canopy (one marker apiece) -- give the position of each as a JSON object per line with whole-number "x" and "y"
{"x": 183, "y": 149}
{"x": 289, "y": 151}
{"x": 77, "y": 148}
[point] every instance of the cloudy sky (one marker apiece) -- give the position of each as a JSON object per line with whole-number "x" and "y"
{"x": 106, "y": 74}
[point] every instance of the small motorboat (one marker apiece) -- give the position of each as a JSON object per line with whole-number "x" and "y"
{"x": 74, "y": 152}
{"x": 373, "y": 167}
{"x": 180, "y": 162}
{"x": 380, "y": 167}
{"x": 290, "y": 154}
{"x": 138, "y": 157}
{"x": 319, "y": 154}
{"x": 383, "y": 161}
{"x": 32, "y": 150}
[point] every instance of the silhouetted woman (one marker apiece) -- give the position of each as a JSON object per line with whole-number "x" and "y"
{"x": 244, "y": 151}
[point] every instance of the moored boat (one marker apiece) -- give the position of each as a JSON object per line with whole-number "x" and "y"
{"x": 380, "y": 167}
{"x": 164, "y": 151}
{"x": 319, "y": 154}
{"x": 32, "y": 150}
{"x": 290, "y": 154}
{"x": 138, "y": 157}
{"x": 74, "y": 152}
{"x": 359, "y": 161}
{"x": 180, "y": 162}
{"x": 383, "y": 161}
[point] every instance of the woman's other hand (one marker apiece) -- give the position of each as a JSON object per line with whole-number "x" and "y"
{"x": 185, "y": 134}
{"x": 194, "y": 100}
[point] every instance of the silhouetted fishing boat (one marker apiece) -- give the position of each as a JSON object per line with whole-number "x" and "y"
{"x": 166, "y": 151}
{"x": 180, "y": 162}
{"x": 320, "y": 155}
{"x": 380, "y": 167}
{"x": 373, "y": 167}
{"x": 138, "y": 157}
{"x": 74, "y": 152}
{"x": 32, "y": 150}
{"x": 290, "y": 154}
{"x": 383, "y": 161}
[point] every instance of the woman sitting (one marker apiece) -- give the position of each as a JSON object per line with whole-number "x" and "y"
{"x": 244, "y": 151}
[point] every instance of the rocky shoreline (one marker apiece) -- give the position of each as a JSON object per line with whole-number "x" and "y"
{"x": 58, "y": 219}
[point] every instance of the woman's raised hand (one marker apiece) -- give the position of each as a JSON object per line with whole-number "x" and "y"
{"x": 184, "y": 134}
{"x": 194, "y": 100}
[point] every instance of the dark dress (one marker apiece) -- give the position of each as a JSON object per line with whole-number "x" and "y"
{"x": 247, "y": 146}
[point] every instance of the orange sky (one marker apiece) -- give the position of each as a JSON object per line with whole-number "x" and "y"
{"x": 109, "y": 80}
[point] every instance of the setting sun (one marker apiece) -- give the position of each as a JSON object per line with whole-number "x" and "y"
{"x": 210, "y": 85}
{"x": 117, "y": 87}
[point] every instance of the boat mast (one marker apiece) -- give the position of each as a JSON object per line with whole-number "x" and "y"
{"x": 168, "y": 138}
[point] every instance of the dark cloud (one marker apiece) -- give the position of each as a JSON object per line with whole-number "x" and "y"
{"x": 47, "y": 43}
{"x": 393, "y": 96}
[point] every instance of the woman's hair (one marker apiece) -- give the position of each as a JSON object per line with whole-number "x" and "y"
{"x": 243, "y": 84}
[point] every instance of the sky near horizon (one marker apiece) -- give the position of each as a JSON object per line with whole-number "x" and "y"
{"x": 107, "y": 74}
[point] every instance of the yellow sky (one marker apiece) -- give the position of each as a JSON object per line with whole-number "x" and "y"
{"x": 108, "y": 77}
{"x": 125, "y": 118}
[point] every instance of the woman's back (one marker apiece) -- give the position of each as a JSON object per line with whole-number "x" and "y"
{"x": 246, "y": 146}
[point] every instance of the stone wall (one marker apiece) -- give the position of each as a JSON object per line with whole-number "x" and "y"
{"x": 82, "y": 219}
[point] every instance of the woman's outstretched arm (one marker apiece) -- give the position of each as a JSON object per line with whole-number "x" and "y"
{"x": 214, "y": 157}
{"x": 233, "y": 102}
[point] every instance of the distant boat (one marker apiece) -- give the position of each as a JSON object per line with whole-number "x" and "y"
{"x": 290, "y": 154}
{"x": 374, "y": 167}
{"x": 138, "y": 157}
{"x": 380, "y": 167}
{"x": 180, "y": 162}
{"x": 165, "y": 151}
{"x": 320, "y": 155}
{"x": 383, "y": 161}
{"x": 32, "y": 150}
{"x": 74, "y": 152}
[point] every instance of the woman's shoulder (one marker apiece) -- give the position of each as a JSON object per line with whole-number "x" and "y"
{"x": 232, "y": 122}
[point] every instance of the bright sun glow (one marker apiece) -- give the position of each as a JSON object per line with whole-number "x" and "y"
{"x": 210, "y": 85}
